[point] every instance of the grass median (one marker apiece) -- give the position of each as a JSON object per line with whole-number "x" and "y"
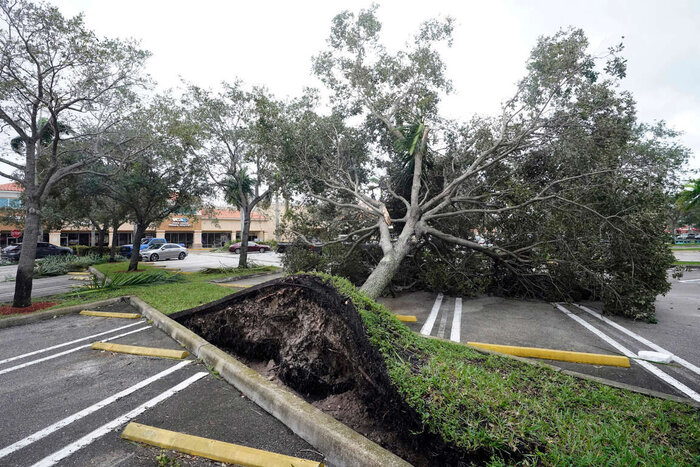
{"x": 192, "y": 290}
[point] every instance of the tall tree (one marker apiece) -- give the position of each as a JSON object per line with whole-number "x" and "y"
{"x": 55, "y": 74}
{"x": 166, "y": 176}
{"x": 242, "y": 143}
{"x": 386, "y": 158}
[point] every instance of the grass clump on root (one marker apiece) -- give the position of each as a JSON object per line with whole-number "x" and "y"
{"x": 502, "y": 411}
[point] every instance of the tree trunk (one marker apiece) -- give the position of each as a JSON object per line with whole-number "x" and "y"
{"x": 136, "y": 247}
{"x": 386, "y": 269}
{"x": 243, "y": 258}
{"x": 115, "y": 241}
{"x": 101, "y": 238}
{"x": 25, "y": 268}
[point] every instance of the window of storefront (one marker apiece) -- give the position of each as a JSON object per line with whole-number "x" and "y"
{"x": 186, "y": 238}
{"x": 124, "y": 238}
{"x": 75, "y": 238}
{"x": 252, "y": 236}
{"x": 215, "y": 239}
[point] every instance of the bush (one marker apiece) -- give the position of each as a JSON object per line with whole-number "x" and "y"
{"x": 84, "y": 250}
{"x": 59, "y": 265}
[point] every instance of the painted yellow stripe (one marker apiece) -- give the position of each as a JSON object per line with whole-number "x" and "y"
{"x": 138, "y": 350}
{"x": 81, "y": 278}
{"x": 238, "y": 286}
{"x": 79, "y": 274}
{"x": 110, "y": 314}
{"x": 561, "y": 355}
{"x": 407, "y": 318}
{"x": 210, "y": 448}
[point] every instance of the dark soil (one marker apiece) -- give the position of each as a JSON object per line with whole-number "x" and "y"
{"x": 11, "y": 310}
{"x": 302, "y": 333}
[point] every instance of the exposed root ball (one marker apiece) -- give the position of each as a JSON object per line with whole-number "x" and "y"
{"x": 313, "y": 334}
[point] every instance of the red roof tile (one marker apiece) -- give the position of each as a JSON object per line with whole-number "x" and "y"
{"x": 12, "y": 186}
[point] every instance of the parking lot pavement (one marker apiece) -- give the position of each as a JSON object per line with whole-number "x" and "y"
{"x": 686, "y": 255}
{"x": 539, "y": 324}
{"x": 68, "y": 404}
{"x": 40, "y": 287}
{"x": 196, "y": 261}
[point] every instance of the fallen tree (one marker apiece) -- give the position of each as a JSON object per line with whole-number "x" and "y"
{"x": 557, "y": 183}
{"x": 431, "y": 401}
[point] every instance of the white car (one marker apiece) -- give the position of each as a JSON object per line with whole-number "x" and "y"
{"x": 164, "y": 251}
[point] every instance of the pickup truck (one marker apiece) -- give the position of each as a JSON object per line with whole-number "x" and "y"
{"x": 125, "y": 250}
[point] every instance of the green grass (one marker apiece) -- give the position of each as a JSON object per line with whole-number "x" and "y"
{"x": 169, "y": 298}
{"x": 508, "y": 411}
{"x": 686, "y": 263}
{"x": 686, "y": 248}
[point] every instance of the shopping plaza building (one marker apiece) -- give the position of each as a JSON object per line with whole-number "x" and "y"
{"x": 203, "y": 230}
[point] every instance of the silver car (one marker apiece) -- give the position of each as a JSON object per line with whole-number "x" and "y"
{"x": 163, "y": 251}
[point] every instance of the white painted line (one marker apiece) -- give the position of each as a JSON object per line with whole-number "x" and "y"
{"x": 443, "y": 326}
{"x": 690, "y": 280}
{"x": 639, "y": 338}
{"x": 87, "y": 411}
{"x": 456, "y": 321}
{"x": 66, "y": 352}
{"x": 57, "y": 456}
{"x": 430, "y": 322}
{"x": 68, "y": 343}
{"x": 668, "y": 379}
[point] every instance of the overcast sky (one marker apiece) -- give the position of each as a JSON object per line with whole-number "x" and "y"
{"x": 271, "y": 43}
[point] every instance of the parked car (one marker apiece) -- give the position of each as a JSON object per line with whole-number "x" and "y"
{"x": 125, "y": 250}
{"x": 252, "y": 246}
{"x": 158, "y": 251}
{"x": 43, "y": 249}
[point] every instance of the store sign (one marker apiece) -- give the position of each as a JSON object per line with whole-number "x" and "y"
{"x": 180, "y": 222}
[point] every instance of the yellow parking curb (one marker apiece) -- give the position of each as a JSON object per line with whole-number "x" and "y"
{"x": 211, "y": 449}
{"x": 81, "y": 278}
{"x": 561, "y": 355}
{"x": 238, "y": 286}
{"x": 109, "y": 314}
{"x": 79, "y": 273}
{"x": 137, "y": 350}
{"x": 407, "y": 318}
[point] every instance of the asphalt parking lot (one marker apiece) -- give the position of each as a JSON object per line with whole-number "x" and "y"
{"x": 502, "y": 321}
{"x": 63, "y": 403}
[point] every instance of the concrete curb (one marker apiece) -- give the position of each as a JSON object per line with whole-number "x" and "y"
{"x": 50, "y": 314}
{"x": 576, "y": 374}
{"x": 341, "y": 445}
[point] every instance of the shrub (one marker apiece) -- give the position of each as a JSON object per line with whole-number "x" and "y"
{"x": 58, "y": 265}
{"x": 84, "y": 250}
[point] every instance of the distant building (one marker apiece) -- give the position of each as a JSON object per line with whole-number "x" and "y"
{"x": 203, "y": 230}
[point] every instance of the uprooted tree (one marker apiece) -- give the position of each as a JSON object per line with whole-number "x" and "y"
{"x": 564, "y": 188}
{"x": 55, "y": 75}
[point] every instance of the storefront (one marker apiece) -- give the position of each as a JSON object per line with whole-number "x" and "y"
{"x": 185, "y": 238}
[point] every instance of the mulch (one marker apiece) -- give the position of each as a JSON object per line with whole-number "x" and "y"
{"x": 11, "y": 310}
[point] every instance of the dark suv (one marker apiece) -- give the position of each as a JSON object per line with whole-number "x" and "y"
{"x": 43, "y": 250}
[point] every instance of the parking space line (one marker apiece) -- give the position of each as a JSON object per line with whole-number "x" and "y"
{"x": 456, "y": 321}
{"x": 689, "y": 280}
{"x": 430, "y": 322}
{"x": 87, "y": 411}
{"x": 228, "y": 453}
{"x": 61, "y": 454}
{"x": 66, "y": 352}
{"x": 639, "y": 338}
{"x": 58, "y": 346}
{"x": 665, "y": 377}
